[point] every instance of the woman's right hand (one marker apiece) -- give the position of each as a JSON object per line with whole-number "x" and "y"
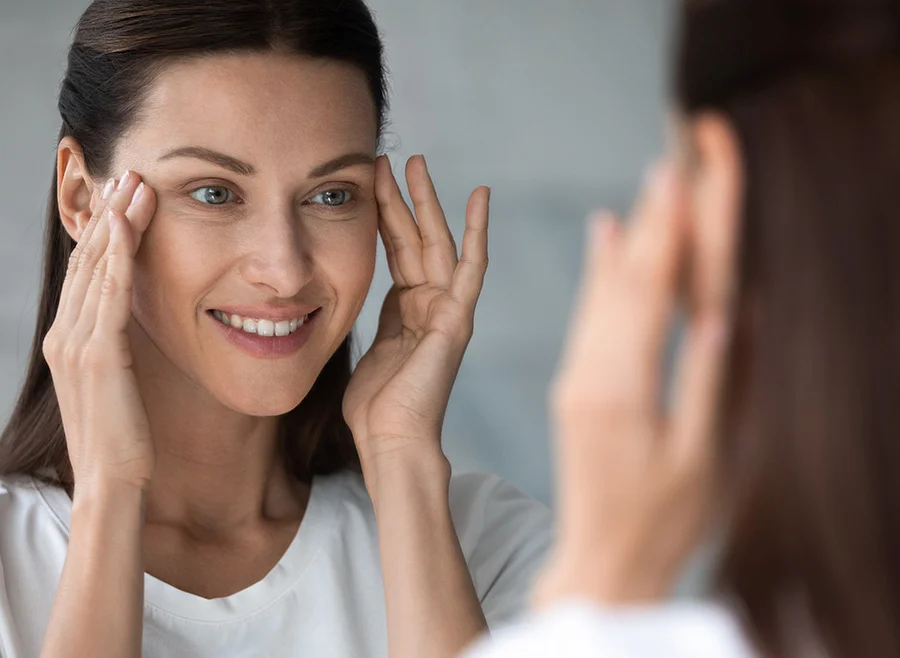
{"x": 87, "y": 348}
{"x": 638, "y": 476}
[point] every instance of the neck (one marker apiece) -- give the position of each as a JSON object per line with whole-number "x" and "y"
{"x": 217, "y": 470}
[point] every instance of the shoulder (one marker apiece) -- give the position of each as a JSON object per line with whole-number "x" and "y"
{"x": 20, "y": 497}
{"x": 27, "y": 517}
{"x": 485, "y": 507}
{"x": 505, "y": 536}
{"x": 481, "y": 504}
{"x": 583, "y": 629}
{"x": 33, "y": 542}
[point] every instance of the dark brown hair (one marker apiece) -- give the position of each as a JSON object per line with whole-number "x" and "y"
{"x": 811, "y": 439}
{"x": 119, "y": 47}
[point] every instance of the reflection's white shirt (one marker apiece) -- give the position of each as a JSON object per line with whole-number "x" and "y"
{"x": 323, "y": 599}
{"x": 580, "y": 629}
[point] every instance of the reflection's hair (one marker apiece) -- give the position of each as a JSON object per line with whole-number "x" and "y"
{"x": 119, "y": 48}
{"x": 811, "y": 436}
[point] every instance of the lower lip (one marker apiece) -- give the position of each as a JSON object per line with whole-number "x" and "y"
{"x": 268, "y": 347}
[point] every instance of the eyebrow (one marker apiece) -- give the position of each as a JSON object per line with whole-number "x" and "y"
{"x": 245, "y": 169}
{"x": 342, "y": 162}
{"x": 216, "y": 158}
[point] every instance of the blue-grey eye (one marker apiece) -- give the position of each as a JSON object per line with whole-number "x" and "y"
{"x": 214, "y": 196}
{"x": 332, "y": 198}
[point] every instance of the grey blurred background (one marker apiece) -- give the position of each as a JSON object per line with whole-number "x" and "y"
{"x": 556, "y": 104}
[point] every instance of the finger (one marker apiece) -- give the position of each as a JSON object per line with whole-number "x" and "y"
{"x": 589, "y": 335}
{"x": 468, "y": 278}
{"x": 390, "y": 323}
{"x": 83, "y": 264}
{"x": 87, "y": 319}
{"x": 391, "y": 255}
{"x": 400, "y": 224}
{"x": 716, "y": 198}
{"x": 602, "y": 253}
{"x": 140, "y": 212}
{"x": 651, "y": 260}
{"x": 92, "y": 251}
{"x": 439, "y": 249}
{"x": 99, "y": 201}
{"x": 698, "y": 383}
{"x": 114, "y": 309}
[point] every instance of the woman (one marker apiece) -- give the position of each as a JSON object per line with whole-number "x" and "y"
{"x": 178, "y": 477}
{"x": 774, "y": 223}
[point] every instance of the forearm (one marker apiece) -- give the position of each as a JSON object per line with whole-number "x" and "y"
{"x": 98, "y": 610}
{"x": 433, "y": 609}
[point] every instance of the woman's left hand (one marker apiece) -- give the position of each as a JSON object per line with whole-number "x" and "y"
{"x": 398, "y": 395}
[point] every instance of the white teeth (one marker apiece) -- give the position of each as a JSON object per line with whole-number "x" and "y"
{"x": 249, "y": 325}
{"x": 266, "y": 328}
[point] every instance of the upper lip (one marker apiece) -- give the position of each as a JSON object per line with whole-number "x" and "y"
{"x": 273, "y": 313}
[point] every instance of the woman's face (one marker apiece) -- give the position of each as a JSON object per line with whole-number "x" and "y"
{"x": 263, "y": 166}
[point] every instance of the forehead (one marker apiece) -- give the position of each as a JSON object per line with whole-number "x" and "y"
{"x": 271, "y": 109}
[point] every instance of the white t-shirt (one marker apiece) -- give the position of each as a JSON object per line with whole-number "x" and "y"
{"x": 323, "y": 599}
{"x": 583, "y": 630}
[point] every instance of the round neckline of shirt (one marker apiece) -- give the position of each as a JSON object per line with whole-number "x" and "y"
{"x": 319, "y": 520}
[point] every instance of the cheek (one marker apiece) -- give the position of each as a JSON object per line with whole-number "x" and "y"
{"x": 345, "y": 258}
{"x": 173, "y": 267}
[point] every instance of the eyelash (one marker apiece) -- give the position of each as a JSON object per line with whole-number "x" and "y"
{"x": 348, "y": 189}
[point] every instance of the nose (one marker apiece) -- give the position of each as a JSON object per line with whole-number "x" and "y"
{"x": 278, "y": 261}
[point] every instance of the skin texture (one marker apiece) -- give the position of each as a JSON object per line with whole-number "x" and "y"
{"x": 163, "y": 412}
{"x": 637, "y": 477}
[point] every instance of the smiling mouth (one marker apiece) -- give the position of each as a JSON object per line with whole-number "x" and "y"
{"x": 261, "y": 326}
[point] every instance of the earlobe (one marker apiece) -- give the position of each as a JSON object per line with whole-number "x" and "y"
{"x": 74, "y": 187}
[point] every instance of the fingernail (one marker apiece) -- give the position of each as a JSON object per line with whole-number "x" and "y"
{"x": 107, "y": 190}
{"x": 138, "y": 195}
{"x": 126, "y": 178}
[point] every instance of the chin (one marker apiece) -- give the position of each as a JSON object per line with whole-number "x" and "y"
{"x": 264, "y": 402}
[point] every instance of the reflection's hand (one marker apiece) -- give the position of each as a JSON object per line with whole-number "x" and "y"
{"x": 398, "y": 395}
{"x": 635, "y": 482}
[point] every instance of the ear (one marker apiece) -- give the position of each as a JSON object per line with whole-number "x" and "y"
{"x": 715, "y": 182}
{"x": 74, "y": 187}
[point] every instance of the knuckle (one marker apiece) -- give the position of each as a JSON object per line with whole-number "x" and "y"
{"x": 74, "y": 258}
{"x": 99, "y": 270}
{"x": 72, "y": 354}
{"x": 94, "y": 355}
{"x": 113, "y": 285}
{"x": 50, "y": 346}
{"x": 87, "y": 257}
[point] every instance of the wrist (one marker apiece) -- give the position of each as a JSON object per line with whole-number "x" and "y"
{"x": 600, "y": 578}
{"x": 407, "y": 467}
{"x": 104, "y": 496}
